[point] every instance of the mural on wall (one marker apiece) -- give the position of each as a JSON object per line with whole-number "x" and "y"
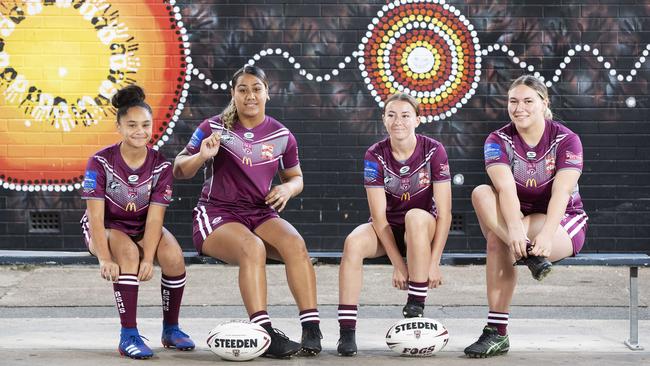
{"x": 60, "y": 62}
{"x": 330, "y": 66}
{"x": 53, "y": 117}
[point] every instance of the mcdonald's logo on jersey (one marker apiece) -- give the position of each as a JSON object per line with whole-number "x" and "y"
{"x": 131, "y": 207}
{"x": 406, "y": 196}
{"x": 246, "y": 160}
{"x": 531, "y": 182}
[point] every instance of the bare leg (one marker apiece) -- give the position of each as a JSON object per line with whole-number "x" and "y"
{"x": 420, "y": 228}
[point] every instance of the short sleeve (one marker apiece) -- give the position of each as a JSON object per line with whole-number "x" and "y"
{"x": 162, "y": 192}
{"x": 494, "y": 151}
{"x": 201, "y": 132}
{"x": 94, "y": 184}
{"x": 440, "y": 165}
{"x": 373, "y": 175}
{"x": 569, "y": 153}
{"x": 290, "y": 155}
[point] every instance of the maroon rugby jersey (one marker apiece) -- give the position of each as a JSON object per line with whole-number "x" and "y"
{"x": 127, "y": 193}
{"x": 241, "y": 173}
{"x": 408, "y": 184}
{"x": 534, "y": 167}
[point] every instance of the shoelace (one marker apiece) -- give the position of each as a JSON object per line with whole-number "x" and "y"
{"x": 484, "y": 336}
{"x": 136, "y": 339}
{"x": 278, "y": 333}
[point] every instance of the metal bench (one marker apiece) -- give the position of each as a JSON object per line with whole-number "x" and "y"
{"x": 631, "y": 260}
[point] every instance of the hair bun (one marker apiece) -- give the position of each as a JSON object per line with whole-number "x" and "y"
{"x": 128, "y": 95}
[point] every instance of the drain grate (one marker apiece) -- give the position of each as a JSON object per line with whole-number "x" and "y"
{"x": 457, "y": 224}
{"x": 44, "y": 222}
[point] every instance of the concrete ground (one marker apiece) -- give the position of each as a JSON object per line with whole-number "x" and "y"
{"x": 65, "y": 315}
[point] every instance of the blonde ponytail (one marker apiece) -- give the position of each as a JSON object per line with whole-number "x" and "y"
{"x": 548, "y": 114}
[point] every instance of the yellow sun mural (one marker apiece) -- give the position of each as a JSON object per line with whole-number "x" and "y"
{"x": 60, "y": 63}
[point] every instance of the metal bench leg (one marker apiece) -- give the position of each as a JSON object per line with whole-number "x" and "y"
{"x": 633, "y": 342}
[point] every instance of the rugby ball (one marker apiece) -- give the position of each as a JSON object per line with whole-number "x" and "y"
{"x": 418, "y": 337}
{"x": 238, "y": 340}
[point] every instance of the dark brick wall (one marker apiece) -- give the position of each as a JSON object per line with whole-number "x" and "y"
{"x": 336, "y": 121}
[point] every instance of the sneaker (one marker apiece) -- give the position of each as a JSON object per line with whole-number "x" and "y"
{"x": 413, "y": 309}
{"x": 490, "y": 343}
{"x": 173, "y": 337}
{"x": 540, "y": 267}
{"x": 281, "y": 346}
{"x": 347, "y": 345}
{"x": 310, "y": 341}
{"x": 131, "y": 344}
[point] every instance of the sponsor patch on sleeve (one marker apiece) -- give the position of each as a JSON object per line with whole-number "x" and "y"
{"x": 444, "y": 170}
{"x": 492, "y": 151}
{"x": 370, "y": 170}
{"x": 196, "y": 139}
{"x": 573, "y": 158}
{"x": 90, "y": 180}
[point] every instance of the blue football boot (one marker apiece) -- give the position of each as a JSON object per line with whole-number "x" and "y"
{"x": 131, "y": 344}
{"x": 173, "y": 337}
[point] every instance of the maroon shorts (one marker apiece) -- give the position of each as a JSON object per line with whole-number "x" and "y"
{"x": 398, "y": 233}
{"x": 207, "y": 218}
{"x": 85, "y": 229}
{"x": 576, "y": 226}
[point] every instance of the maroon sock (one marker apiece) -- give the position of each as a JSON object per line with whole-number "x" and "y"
{"x": 348, "y": 316}
{"x": 418, "y": 291}
{"x": 171, "y": 290}
{"x": 309, "y": 316}
{"x": 261, "y": 318}
{"x": 499, "y": 321}
{"x": 126, "y": 298}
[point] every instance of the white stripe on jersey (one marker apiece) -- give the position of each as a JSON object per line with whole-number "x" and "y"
{"x": 277, "y": 133}
{"x": 161, "y": 167}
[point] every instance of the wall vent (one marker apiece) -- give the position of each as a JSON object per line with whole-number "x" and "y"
{"x": 41, "y": 222}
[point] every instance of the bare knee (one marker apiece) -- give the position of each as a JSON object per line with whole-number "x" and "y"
{"x": 170, "y": 256}
{"x": 494, "y": 245}
{"x": 252, "y": 251}
{"x": 126, "y": 254}
{"x": 417, "y": 218}
{"x": 294, "y": 248}
{"x": 482, "y": 193}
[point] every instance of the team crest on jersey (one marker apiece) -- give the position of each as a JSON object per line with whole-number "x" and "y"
{"x": 405, "y": 169}
{"x": 405, "y": 184}
{"x": 549, "y": 163}
{"x": 168, "y": 193}
{"x": 423, "y": 179}
{"x": 573, "y": 158}
{"x": 248, "y": 148}
{"x": 132, "y": 193}
{"x": 267, "y": 151}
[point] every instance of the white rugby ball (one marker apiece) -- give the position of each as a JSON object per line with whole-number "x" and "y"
{"x": 238, "y": 340}
{"x": 419, "y": 337}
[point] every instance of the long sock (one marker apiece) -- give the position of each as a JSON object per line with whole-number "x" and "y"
{"x": 348, "y": 316}
{"x": 499, "y": 321}
{"x": 418, "y": 291}
{"x": 309, "y": 316}
{"x": 171, "y": 290}
{"x": 126, "y": 299}
{"x": 261, "y": 318}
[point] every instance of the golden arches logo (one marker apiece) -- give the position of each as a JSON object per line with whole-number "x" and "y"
{"x": 247, "y": 161}
{"x": 406, "y": 196}
{"x": 531, "y": 182}
{"x": 131, "y": 207}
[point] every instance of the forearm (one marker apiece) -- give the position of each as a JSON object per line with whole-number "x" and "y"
{"x": 151, "y": 238}
{"x": 440, "y": 236}
{"x": 387, "y": 240}
{"x": 555, "y": 211}
{"x": 510, "y": 209}
{"x": 186, "y": 166}
{"x": 98, "y": 238}
{"x": 295, "y": 185}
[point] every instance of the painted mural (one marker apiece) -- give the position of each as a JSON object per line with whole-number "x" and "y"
{"x": 330, "y": 68}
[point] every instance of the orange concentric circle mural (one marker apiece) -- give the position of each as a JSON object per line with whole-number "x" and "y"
{"x": 60, "y": 63}
{"x": 426, "y": 48}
